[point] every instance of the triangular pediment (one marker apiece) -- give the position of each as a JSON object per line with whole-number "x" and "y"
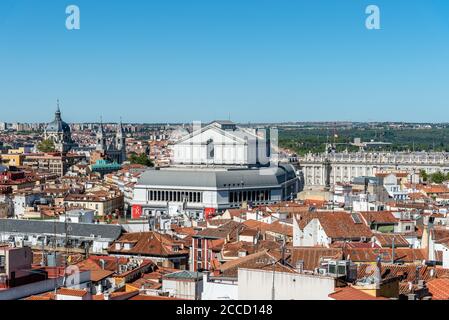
{"x": 215, "y": 133}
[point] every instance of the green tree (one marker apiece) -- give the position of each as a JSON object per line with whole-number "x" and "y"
{"x": 438, "y": 177}
{"x": 424, "y": 175}
{"x": 46, "y": 146}
{"x": 140, "y": 159}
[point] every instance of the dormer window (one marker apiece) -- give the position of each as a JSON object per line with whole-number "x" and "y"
{"x": 118, "y": 246}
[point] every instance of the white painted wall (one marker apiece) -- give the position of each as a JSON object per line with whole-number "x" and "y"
{"x": 182, "y": 289}
{"x": 445, "y": 257}
{"x": 313, "y": 234}
{"x": 223, "y": 290}
{"x": 297, "y": 233}
{"x": 258, "y": 284}
{"x": 226, "y": 149}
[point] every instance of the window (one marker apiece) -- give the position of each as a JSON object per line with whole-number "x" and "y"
{"x": 210, "y": 149}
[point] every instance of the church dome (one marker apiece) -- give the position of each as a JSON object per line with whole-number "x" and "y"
{"x": 57, "y": 125}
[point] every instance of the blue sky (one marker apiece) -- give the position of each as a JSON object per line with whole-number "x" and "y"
{"x": 255, "y": 60}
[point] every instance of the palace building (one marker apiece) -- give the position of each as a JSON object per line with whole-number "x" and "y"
{"x": 333, "y": 168}
{"x": 216, "y": 167}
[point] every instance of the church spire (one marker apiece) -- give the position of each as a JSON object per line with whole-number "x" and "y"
{"x": 120, "y": 128}
{"x": 120, "y": 142}
{"x": 58, "y": 111}
{"x": 101, "y": 139}
{"x": 100, "y": 128}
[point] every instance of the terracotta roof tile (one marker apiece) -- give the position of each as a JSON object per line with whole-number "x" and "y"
{"x": 385, "y": 217}
{"x": 439, "y": 288}
{"x": 406, "y": 255}
{"x": 350, "y": 293}
{"x": 312, "y": 256}
{"x": 386, "y": 240}
{"x": 149, "y": 244}
{"x": 71, "y": 292}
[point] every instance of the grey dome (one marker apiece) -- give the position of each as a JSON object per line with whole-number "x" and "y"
{"x": 58, "y": 125}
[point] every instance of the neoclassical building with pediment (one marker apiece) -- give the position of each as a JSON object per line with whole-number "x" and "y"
{"x": 214, "y": 168}
{"x": 222, "y": 143}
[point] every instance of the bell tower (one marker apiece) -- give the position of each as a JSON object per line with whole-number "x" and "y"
{"x": 120, "y": 142}
{"x": 101, "y": 138}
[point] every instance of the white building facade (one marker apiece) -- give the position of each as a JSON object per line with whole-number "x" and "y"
{"x": 266, "y": 285}
{"x": 344, "y": 167}
{"x": 217, "y": 167}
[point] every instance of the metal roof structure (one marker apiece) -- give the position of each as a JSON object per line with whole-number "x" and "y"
{"x": 218, "y": 178}
{"x": 48, "y": 227}
{"x": 185, "y": 275}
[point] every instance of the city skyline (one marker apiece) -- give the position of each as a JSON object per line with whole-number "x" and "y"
{"x": 268, "y": 62}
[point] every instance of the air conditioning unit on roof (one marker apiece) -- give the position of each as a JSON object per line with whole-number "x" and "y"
{"x": 322, "y": 271}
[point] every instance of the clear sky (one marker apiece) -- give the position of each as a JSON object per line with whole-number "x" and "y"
{"x": 255, "y": 60}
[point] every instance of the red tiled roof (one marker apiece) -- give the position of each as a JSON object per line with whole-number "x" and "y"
{"x": 150, "y": 244}
{"x": 39, "y": 298}
{"x": 350, "y": 293}
{"x": 386, "y": 240}
{"x": 312, "y": 256}
{"x": 260, "y": 260}
{"x": 385, "y": 217}
{"x": 144, "y": 297}
{"x": 222, "y": 232}
{"x": 342, "y": 226}
{"x": 71, "y": 292}
{"x": 436, "y": 189}
{"x": 336, "y": 225}
{"x": 407, "y": 272}
{"x": 353, "y": 244}
{"x": 406, "y": 255}
{"x": 236, "y": 212}
{"x": 275, "y": 227}
{"x": 439, "y": 288}
{"x": 98, "y": 275}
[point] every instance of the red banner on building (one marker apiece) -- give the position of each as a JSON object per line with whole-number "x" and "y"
{"x": 136, "y": 212}
{"x": 209, "y": 213}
